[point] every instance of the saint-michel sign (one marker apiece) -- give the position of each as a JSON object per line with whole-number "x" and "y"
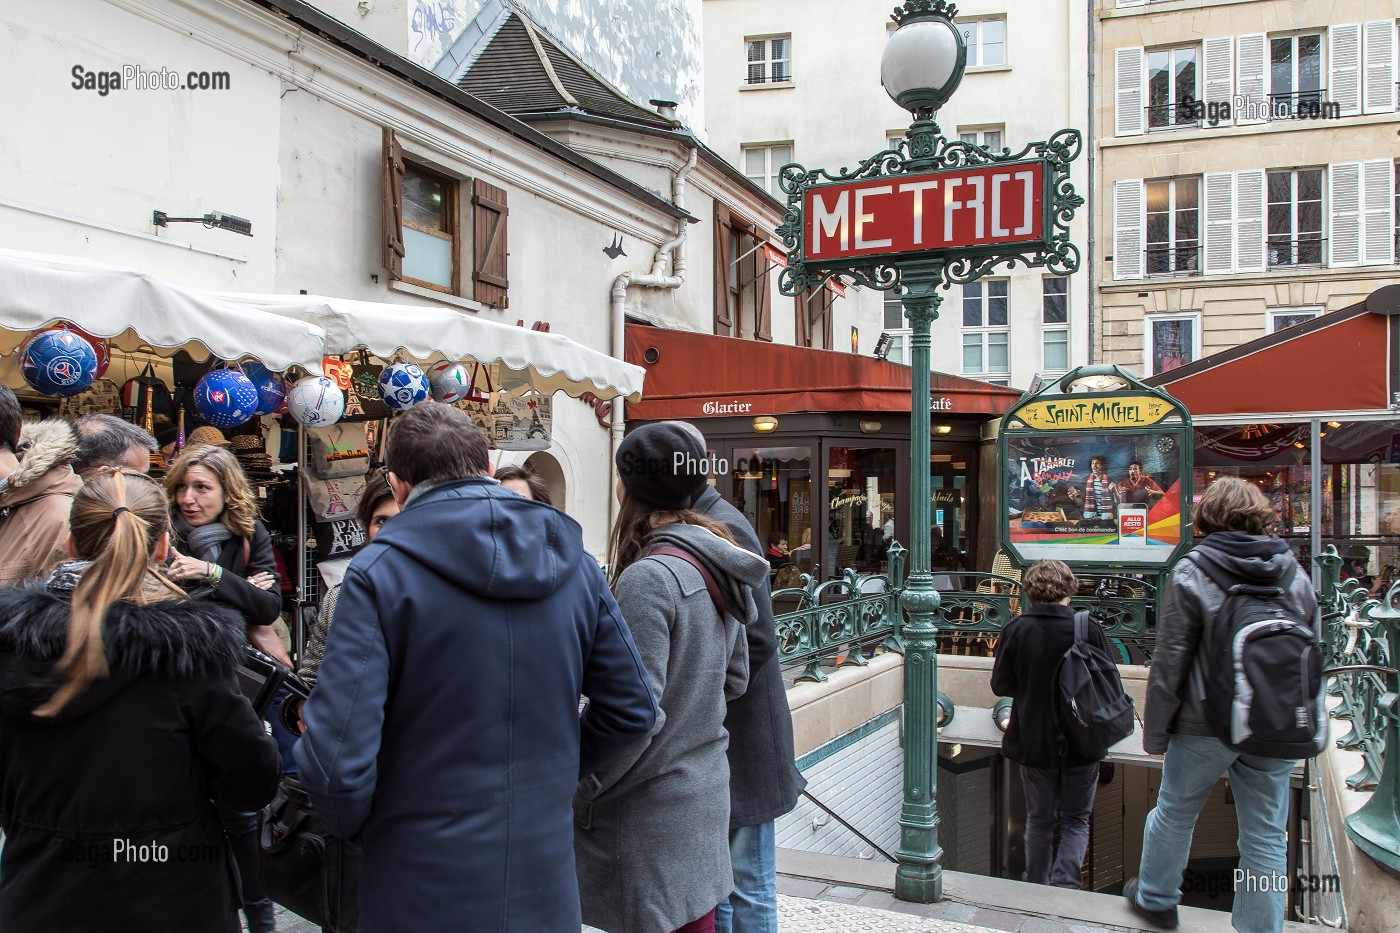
{"x": 929, "y": 211}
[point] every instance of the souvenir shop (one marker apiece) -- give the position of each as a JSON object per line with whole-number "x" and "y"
{"x": 302, "y": 389}
{"x": 1310, "y": 414}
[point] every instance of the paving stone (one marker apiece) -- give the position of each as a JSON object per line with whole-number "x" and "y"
{"x": 841, "y": 893}
{"x": 997, "y": 919}
{"x": 948, "y": 910}
{"x": 801, "y": 887}
{"x": 800, "y": 916}
{"x": 1042, "y": 925}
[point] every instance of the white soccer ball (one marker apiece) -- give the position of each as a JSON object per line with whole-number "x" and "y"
{"x": 316, "y": 402}
{"x": 449, "y": 381}
{"x": 402, "y": 386}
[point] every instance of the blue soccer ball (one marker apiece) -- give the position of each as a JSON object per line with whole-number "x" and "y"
{"x": 59, "y": 362}
{"x": 225, "y": 398}
{"x": 271, "y": 388}
{"x": 402, "y": 386}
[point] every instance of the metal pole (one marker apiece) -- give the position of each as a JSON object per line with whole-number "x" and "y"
{"x": 920, "y": 875}
{"x": 1315, "y": 498}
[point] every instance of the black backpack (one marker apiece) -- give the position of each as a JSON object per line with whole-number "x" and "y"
{"x": 1258, "y": 672}
{"x": 1094, "y": 712}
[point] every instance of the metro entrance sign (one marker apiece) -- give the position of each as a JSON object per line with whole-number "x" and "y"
{"x": 959, "y": 208}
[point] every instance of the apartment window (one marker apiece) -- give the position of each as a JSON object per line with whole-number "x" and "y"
{"x": 1295, "y": 217}
{"x": 762, "y": 164}
{"x": 989, "y": 136}
{"x": 1173, "y": 226}
{"x": 436, "y": 227}
{"x": 1173, "y": 340}
{"x": 986, "y": 41}
{"x": 742, "y": 280}
{"x": 1295, "y": 74}
{"x": 1172, "y": 87}
{"x": 985, "y": 332}
{"x": 1279, "y": 318}
{"x": 1054, "y": 318}
{"x": 770, "y": 60}
{"x": 897, "y": 327}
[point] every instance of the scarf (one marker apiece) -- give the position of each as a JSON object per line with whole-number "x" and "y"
{"x": 205, "y": 541}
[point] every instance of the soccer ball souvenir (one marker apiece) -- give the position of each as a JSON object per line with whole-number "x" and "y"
{"x": 402, "y": 386}
{"x": 271, "y": 388}
{"x": 316, "y": 402}
{"x": 225, "y": 398}
{"x": 58, "y": 362}
{"x": 449, "y": 381}
{"x": 101, "y": 347}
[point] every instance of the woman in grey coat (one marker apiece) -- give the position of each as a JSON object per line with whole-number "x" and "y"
{"x": 651, "y": 830}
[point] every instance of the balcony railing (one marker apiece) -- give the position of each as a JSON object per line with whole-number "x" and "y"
{"x": 1303, "y": 105}
{"x": 1182, "y": 259}
{"x": 1308, "y": 250}
{"x": 1176, "y": 115}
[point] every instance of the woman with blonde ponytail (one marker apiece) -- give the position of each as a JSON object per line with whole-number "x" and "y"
{"x": 121, "y": 724}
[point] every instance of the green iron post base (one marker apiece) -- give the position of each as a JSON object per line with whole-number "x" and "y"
{"x": 920, "y": 874}
{"x": 1375, "y": 827}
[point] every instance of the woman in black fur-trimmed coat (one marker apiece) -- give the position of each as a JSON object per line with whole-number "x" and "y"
{"x": 120, "y": 721}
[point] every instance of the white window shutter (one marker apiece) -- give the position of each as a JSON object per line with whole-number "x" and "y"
{"x": 1220, "y": 223}
{"x": 1219, "y": 55}
{"x": 1250, "y": 206}
{"x": 1377, "y": 212}
{"x": 1344, "y": 214}
{"x": 1128, "y": 80}
{"x": 1379, "y": 62}
{"x": 1129, "y": 229}
{"x": 1251, "y": 76}
{"x": 1344, "y": 56}
{"x": 1123, "y": 3}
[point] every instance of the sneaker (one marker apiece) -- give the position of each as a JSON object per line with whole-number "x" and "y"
{"x": 1162, "y": 919}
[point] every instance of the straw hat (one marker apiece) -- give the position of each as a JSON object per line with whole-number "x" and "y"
{"x": 208, "y": 434}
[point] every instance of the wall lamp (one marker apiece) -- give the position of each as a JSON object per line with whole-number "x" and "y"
{"x": 765, "y": 424}
{"x": 870, "y": 427}
{"x": 214, "y": 220}
{"x": 942, "y": 429}
{"x": 882, "y": 346}
{"x": 1001, "y": 713}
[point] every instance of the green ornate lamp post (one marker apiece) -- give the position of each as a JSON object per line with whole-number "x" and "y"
{"x": 927, "y": 214}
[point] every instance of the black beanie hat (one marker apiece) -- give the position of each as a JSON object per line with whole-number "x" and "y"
{"x": 663, "y": 466}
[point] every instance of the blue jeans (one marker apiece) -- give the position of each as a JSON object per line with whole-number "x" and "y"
{"x": 1063, "y": 798}
{"x": 753, "y": 906}
{"x": 1192, "y": 766}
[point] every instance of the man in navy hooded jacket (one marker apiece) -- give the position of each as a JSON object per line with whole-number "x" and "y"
{"x": 444, "y": 731}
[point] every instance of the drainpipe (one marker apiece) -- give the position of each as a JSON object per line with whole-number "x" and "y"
{"x": 669, "y": 259}
{"x": 1091, "y": 142}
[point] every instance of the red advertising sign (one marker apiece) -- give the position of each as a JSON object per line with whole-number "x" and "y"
{"x": 955, "y": 209}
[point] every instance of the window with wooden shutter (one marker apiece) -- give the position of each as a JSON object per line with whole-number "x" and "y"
{"x": 1344, "y": 57}
{"x": 1129, "y": 222}
{"x": 1128, "y": 102}
{"x": 819, "y": 317}
{"x": 1219, "y": 56}
{"x": 1379, "y": 62}
{"x": 762, "y": 296}
{"x": 1344, "y": 228}
{"x": 1250, "y": 208}
{"x": 392, "y": 236}
{"x": 491, "y": 244}
{"x": 802, "y": 327}
{"x": 1251, "y": 78}
{"x": 1377, "y": 210}
{"x": 1220, "y": 223}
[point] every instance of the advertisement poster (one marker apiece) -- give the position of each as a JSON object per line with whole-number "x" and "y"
{"x": 1079, "y": 496}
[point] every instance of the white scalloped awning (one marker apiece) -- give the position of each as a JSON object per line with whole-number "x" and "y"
{"x": 140, "y": 312}
{"x": 551, "y": 362}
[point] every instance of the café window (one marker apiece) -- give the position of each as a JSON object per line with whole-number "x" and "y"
{"x": 773, "y": 488}
{"x": 862, "y": 502}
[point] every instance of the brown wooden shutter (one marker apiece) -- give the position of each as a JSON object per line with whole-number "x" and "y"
{"x": 762, "y": 295}
{"x": 723, "y": 323}
{"x": 393, "y": 205}
{"x": 802, "y": 329}
{"x": 828, "y": 324}
{"x": 490, "y": 243}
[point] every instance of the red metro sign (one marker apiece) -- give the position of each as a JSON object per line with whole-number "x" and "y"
{"x": 959, "y": 209}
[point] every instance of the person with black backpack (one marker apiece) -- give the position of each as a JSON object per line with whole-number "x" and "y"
{"x": 1067, "y": 707}
{"x": 1235, "y": 689}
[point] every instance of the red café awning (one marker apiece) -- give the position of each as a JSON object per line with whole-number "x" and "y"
{"x": 1335, "y": 363}
{"x": 705, "y": 376}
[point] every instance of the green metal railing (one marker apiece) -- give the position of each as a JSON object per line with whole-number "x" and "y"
{"x": 842, "y": 619}
{"x": 1360, "y": 634}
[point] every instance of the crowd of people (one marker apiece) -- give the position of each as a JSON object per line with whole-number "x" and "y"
{"x": 616, "y": 754}
{"x": 515, "y": 740}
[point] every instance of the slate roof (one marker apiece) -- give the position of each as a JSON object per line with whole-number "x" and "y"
{"x": 513, "y": 74}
